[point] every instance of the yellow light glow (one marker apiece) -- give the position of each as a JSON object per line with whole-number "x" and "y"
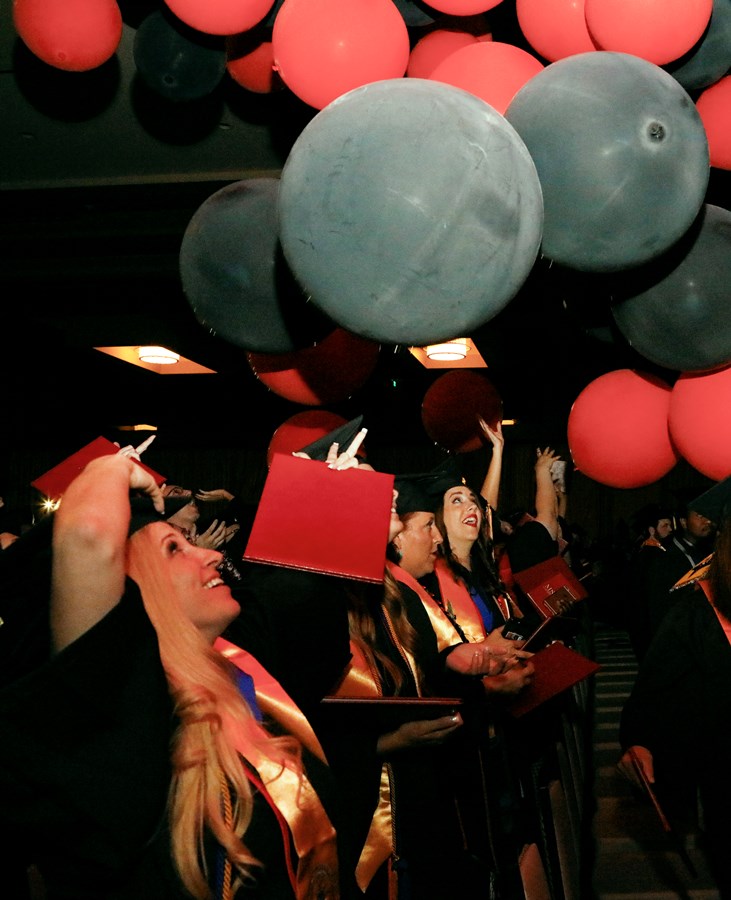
{"x": 159, "y": 356}
{"x": 448, "y": 351}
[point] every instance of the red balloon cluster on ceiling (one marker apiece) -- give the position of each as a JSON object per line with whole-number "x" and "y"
{"x": 626, "y": 428}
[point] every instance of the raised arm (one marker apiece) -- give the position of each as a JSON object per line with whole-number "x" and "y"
{"x": 89, "y": 542}
{"x": 546, "y": 500}
{"x": 490, "y": 489}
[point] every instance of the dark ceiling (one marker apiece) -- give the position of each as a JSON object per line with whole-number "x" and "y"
{"x": 100, "y": 179}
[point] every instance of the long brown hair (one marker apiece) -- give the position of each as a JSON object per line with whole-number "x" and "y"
{"x": 361, "y": 615}
{"x": 213, "y": 720}
{"x": 484, "y": 570}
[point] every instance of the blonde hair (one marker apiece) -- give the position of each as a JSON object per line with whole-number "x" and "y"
{"x": 213, "y": 719}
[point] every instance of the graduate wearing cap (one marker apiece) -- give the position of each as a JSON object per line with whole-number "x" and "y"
{"x": 654, "y": 525}
{"x": 689, "y": 543}
{"x": 438, "y": 658}
{"x": 677, "y": 720}
{"x": 92, "y": 793}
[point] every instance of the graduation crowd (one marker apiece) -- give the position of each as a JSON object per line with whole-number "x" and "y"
{"x": 179, "y": 721}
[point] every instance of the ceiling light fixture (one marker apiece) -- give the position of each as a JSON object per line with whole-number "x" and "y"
{"x": 159, "y": 356}
{"x": 448, "y": 351}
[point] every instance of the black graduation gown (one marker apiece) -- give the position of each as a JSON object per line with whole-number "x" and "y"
{"x": 680, "y": 709}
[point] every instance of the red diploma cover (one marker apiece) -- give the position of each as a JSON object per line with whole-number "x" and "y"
{"x": 54, "y": 482}
{"x": 320, "y": 519}
{"x": 558, "y": 668}
{"x": 547, "y": 582}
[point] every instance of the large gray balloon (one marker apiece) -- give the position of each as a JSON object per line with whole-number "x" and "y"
{"x": 622, "y": 156}
{"x": 682, "y": 319}
{"x": 410, "y": 211}
{"x": 234, "y": 275}
{"x": 710, "y": 59}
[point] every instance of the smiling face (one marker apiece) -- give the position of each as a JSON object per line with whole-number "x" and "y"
{"x": 418, "y": 543}
{"x": 462, "y": 516}
{"x": 191, "y": 572}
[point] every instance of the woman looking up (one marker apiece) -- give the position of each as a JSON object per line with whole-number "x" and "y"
{"x": 416, "y": 789}
{"x": 87, "y": 765}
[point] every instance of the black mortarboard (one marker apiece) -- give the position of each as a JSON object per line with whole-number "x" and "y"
{"x": 715, "y": 503}
{"x": 144, "y": 513}
{"x": 23, "y": 554}
{"x": 423, "y": 492}
{"x": 684, "y": 499}
{"x": 343, "y": 436}
{"x": 649, "y": 515}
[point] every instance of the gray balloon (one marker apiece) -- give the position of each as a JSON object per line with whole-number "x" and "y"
{"x": 710, "y": 59}
{"x": 680, "y": 318}
{"x": 410, "y": 211}
{"x": 622, "y": 157}
{"x": 234, "y": 275}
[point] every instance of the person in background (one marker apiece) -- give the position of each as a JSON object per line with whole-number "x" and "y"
{"x": 536, "y": 534}
{"x": 690, "y": 542}
{"x": 425, "y": 830}
{"x": 185, "y": 794}
{"x": 654, "y": 527}
{"x": 465, "y": 582}
{"x": 676, "y": 723}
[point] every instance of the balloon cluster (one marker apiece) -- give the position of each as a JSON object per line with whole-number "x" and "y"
{"x": 628, "y": 428}
{"x": 440, "y": 164}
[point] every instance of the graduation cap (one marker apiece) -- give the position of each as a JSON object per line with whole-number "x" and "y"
{"x": 343, "y": 436}
{"x": 423, "y": 492}
{"x": 715, "y": 503}
{"x": 144, "y": 513}
{"x": 649, "y": 515}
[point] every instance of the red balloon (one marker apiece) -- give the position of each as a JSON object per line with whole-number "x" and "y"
{"x": 326, "y": 373}
{"x": 659, "y": 31}
{"x": 618, "y": 429}
{"x": 222, "y": 16}
{"x": 699, "y": 421}
{"x": 714, "y": 106}
{"x": 451, "y": 405}
{"x": 325, "y": 48}
{"x": 491, "y": 70}
{"x": 302, "y": 429}
{"x": 73, "y": 35}
{"x": 554, "y": 28}
{"x": 463, "y": 7}
{"x": 435, "y": 47}
{"x": 250, "y": 62}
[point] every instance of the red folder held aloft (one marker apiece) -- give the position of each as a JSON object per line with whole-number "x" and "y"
{"x": 320, "y": 519}
{"x": 54, "y": 482}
